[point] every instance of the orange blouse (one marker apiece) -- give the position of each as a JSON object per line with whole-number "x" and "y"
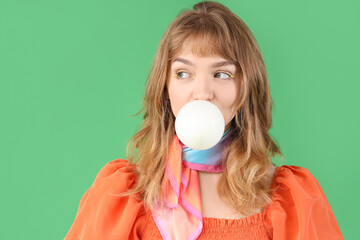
{"x": 300, "y": 210}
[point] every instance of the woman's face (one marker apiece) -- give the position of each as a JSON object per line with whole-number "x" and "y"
{"x": 198, "y": 78}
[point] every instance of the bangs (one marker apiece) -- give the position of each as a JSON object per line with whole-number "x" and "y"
{"x": 202, "y": 44}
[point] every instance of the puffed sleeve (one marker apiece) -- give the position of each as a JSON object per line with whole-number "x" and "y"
{"x": 300, "y": 209}
{"x": 103, "y": 215}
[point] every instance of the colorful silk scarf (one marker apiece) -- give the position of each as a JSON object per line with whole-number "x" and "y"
{"x": 181, "y": 217}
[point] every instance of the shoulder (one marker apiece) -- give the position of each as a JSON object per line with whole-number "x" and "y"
{"x": 300, "y": 209}
{"x": 116, "y": 170}
{"x": 117, "y": 165}
{"x": 103, "y": 213}
{"x": 297, "y": 181}
{"x": 116, "y": 176}
{"x": 296, "y": 184}
{"x": 295, "y": 176}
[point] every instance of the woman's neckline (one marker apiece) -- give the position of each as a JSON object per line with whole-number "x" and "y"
{"x": 248, "y": 219}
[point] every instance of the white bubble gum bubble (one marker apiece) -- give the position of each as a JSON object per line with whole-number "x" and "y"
{"x": 199, "y": 125}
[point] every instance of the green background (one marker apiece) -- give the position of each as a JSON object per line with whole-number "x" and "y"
{"x": 73, "y": 72}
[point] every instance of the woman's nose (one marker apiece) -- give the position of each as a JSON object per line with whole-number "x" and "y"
{"x": 202, "y": 89}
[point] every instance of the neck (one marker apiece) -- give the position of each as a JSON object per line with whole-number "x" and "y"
{"x": 209, "y": 160}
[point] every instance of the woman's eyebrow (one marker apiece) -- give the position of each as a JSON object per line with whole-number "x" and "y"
{"x": 215, "y": 65}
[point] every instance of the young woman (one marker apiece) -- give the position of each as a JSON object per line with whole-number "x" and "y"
{"x": 230, "y": 191}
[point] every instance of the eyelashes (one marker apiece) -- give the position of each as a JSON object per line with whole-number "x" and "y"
{"x": 180, "y": 73}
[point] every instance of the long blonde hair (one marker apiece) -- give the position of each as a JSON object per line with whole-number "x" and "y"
{"x": 210, "y": 28}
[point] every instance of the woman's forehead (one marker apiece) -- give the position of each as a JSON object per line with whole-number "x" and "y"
{"x": 196, "y": 61}
{"x": 188, "y": 56}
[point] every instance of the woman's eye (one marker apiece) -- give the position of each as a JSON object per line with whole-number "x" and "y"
{"x": 182, "y": 75}
{"x": 220, "y": 75}
{"x": 223, "y": 75}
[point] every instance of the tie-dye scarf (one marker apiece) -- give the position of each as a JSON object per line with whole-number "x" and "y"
{"x": 181, "y": 218}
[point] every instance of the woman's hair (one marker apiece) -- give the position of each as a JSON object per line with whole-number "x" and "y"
{"x": 209, "y": 28}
